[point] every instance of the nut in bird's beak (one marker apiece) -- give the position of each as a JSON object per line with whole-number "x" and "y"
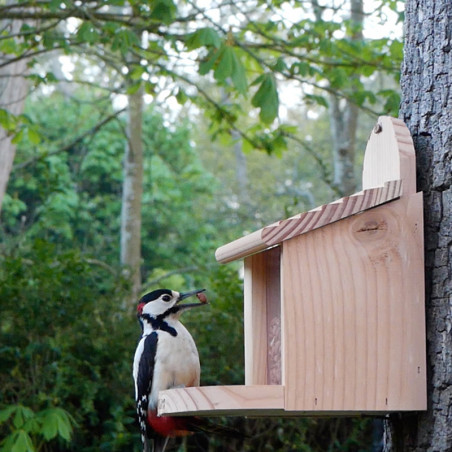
{"x": 185, "y": 295}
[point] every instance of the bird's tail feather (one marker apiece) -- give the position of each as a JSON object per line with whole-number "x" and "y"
{"x": 197, "y": 424}
{"x": 160, "y": 443}
{"x": 146, "y": 444}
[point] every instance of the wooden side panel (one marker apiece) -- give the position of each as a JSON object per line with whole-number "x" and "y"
{"x": 262, "y": 314}
{"x": 255, "y": 321}
{"x": 222, "y": 400}
{"x": 353, "y": 313}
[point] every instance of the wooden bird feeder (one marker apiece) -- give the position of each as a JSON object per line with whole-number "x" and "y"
{"x": 334, "y": 302}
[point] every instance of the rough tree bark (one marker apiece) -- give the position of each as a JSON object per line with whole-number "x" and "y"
{"x": 13, "y": 90}
{"x": 427, "y": 110}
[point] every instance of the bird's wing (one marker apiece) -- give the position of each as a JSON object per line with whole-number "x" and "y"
{"x": 144, "y": 383}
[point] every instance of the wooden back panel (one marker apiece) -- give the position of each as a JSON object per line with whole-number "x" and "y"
{"x": 390, "y": 155}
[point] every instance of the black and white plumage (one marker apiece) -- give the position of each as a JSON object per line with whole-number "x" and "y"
{"x": 166, "y": 357}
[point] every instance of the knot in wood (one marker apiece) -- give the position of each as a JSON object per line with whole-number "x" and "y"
{"x": 378, "y": 128}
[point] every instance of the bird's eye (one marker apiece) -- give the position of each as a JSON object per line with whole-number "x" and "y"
{"x": 166, "y": 298}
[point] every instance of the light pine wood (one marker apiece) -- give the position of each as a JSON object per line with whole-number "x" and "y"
{"x": 330, "y": 213}
{"x": 255, "y": 320}
{"x": 390, "y": 155}
{"x": 222, "y": 400}
{"x": 273, "y": 301}
{"x": 262, "y": 315}
{"x": 240, "y": 248}
{"x": 304, "y": 222}
{"x": 353, "y": 313}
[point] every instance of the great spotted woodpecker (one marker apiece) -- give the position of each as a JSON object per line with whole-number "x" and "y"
{"x": 166, "y": 357}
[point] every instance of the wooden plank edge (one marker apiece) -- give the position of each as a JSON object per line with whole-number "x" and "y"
{"x": 251, "y": 400}
{"x": 237, "y": 400}
{"x": 242, "y": 247}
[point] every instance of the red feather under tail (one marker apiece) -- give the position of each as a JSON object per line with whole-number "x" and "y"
{"x": 183, "y": 426}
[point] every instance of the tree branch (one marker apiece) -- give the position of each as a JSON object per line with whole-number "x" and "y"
{"x": 68, "y": 146}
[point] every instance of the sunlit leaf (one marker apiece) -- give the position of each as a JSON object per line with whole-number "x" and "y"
{"x": 207, "y": 37}
{"x": 266, "y": 98}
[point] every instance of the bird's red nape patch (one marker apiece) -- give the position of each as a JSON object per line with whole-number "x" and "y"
{"x": 167, "y": 425}
{"x": 140, "y": 308}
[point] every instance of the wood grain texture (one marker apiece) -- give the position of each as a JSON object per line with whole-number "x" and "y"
{"x": 390, "y": 155}
{"x": 221, "y": 400}
{"x": 255, "y": 320}
{"x": 304, "y": 222}
{"x": 330, "y": 213}
{"x": 353, "y": 313}
{"x": 262, "y": 313}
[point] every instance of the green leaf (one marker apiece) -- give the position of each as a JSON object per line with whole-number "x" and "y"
{"x": 163, "y": 10}
{"x": 208, "y": 63}
{"x": 19, "y": 441}
{"x": 6, "y": 413}
{"x": 49, "y": 427}
{"x": 22, "y": 414}
{"x": 181, "y": 96}
{"x": 87, "y": 33}
{"x": 316, "y": 99}
{"x": 266, "y": 98}
{"x": 33, "y": 135}
{"x": 280, "y": 65}
{"x": 392, "y": 103}
{"x": 238, "y": 75}
{"x": 136, "y": 72}
{"x": 56, "y": 422}
{"x": 224, "y": 66}
{"x": 230, "y": 66}
{"x": 18, "y": 137}
{"x": 23, "y": 443}
{"x": 8, "y": 121}
{"x": 204, "y": 37}
{"x": 132, "y": 89}
{"x": 124, "y": 39}
{"x": 9, "y": 46}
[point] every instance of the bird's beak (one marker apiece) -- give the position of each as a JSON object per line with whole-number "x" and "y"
{"x": 185, "y": 295}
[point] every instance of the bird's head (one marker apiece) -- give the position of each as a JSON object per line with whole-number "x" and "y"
{"x": 165, "y": 302}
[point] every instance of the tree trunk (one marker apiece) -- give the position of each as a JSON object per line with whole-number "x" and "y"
{"x": 132, "y": 194}
{"x": 344, "y": 115}
{"x": 343, "y": 123}
{"x": 427, "y": 110}
{"x": 241, "y": 172}
{"x": 13, "y": 90}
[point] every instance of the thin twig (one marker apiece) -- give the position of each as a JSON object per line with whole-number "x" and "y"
{"x": 68, "y": 146}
